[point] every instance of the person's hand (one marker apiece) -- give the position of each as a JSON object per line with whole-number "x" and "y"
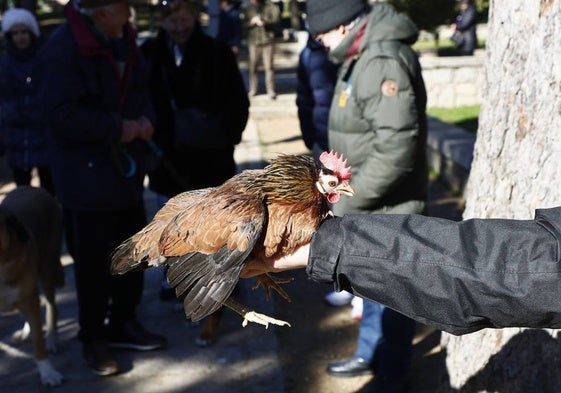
{"x": 258, "y": 266}
{"x": 256, "y": 20}
{"x": 146, "y": 129}
{"x": 130, "y": 130}
{"x": 140, "y": 128}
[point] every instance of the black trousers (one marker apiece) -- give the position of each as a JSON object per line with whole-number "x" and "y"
{"x": 91, "y": 237}
{"x": 23, "y": 177}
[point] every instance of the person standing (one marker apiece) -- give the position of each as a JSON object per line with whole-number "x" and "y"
{"x": 96, "y": 100}
{"x": 189, "y": 69}
{"x": 464, "y": 28}
{"x": 230, "y": 25}
{"x": 261, "y": 20}
{"x": 23, "y": 131}
{"x": 377, "y": 120}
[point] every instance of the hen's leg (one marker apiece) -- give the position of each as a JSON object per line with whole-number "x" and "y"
{"x": 269, "y": 282}
{"x": 251, "y": 316}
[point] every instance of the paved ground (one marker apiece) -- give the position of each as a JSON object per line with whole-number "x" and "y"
{"x": 244, "y": 360}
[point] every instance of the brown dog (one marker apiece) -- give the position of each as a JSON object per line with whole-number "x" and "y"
{"x": 30, "y": 243}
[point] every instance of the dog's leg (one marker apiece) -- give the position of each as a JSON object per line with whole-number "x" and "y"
{"x": 31, "y": 310}
{"x": 51, "y": 317}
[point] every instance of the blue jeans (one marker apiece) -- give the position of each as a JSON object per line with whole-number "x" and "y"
{"x": 385, "y": 340}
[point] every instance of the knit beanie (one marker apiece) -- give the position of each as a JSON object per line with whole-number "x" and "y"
{"x": 324, "y": 15}
{"x": 20, "y": 16}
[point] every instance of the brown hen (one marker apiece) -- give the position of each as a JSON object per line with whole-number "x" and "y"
{"x": 206, "y": 235}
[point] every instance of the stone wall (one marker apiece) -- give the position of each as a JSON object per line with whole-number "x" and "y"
{"x": 453, "y": 81}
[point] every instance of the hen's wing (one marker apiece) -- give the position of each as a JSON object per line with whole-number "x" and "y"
{"x": 142, "y": 249}
{"x": 206, "y": 247}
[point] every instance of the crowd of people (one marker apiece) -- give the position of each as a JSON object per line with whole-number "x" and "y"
{"x": 110, "y": 104}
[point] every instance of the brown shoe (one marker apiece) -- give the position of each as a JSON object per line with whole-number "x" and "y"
{"x": 99, "y": 358}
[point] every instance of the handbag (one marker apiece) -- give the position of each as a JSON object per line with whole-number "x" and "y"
{"x": 195, "y": 128}
{"x": 457, "y": 38}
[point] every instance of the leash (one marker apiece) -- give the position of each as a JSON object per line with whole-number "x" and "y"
{"x": 168, "y": 165}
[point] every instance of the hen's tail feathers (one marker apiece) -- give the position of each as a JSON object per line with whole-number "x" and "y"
{"x": 122, "y": 260}
{"x": 205, "y": 281}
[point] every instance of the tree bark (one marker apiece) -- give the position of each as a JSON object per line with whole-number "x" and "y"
{"x": 516, "y": 169}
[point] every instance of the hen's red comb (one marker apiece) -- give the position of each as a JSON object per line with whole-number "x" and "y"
{"x": 336, "y": 163}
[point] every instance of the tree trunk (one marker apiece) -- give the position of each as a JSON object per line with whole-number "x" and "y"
{"x": 516, "y": 169}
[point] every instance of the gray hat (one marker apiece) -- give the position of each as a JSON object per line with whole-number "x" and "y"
{"x": 324, "y": 15}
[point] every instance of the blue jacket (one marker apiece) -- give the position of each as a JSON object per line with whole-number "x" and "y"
{"x": 85, "y": 101}
{"x": 314, "y": 92}
{"x": 22, "y": 128}
{"x": 230, "y": 27}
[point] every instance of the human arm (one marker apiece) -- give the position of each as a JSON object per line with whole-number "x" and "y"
{"x": 80, "y": 94}
{"x": 305, "y": 99}
{"x": 456, "y": 276}
{"x": 234, "y": 99}
{"x": 314, "y": 92}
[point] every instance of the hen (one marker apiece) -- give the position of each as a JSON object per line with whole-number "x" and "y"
{"x": 206, "y": 235}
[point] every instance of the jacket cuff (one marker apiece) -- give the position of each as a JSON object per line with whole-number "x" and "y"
{"x": 324, "y": 251}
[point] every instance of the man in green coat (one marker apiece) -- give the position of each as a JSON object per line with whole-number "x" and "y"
{"x": 261, "y": 19}
{"x": 378, "y": 121}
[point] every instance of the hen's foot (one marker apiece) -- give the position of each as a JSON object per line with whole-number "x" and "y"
{"x": 270, "y": 282}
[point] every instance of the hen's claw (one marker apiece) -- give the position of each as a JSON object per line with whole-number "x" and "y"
{"x": 270, "y": 282}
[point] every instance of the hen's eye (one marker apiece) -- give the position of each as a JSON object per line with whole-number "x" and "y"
{"x": 332, "y": 183}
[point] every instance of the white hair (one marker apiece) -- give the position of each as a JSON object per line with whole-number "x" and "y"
{"x": 92, "y": 11}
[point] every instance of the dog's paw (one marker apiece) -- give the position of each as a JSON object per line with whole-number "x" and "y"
{"x": 49, "y": 376}
{"x": 21, "y": 335}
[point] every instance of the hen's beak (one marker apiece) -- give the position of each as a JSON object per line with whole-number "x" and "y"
{"x": 345, "y": 189}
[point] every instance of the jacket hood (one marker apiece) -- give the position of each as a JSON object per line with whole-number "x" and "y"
{"x": 387, "y": 24}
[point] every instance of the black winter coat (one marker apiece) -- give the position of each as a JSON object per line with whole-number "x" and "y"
{"x": 85, "y": 99}
{"x": 208, "y": 79}
{"x": 23, "y": 129}
{"x": 456, "y": 276}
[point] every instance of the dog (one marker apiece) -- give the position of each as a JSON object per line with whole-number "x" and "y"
{"x": 30, "y": 248}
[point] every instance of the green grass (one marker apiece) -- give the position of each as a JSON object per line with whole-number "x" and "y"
{"x": 465, "y": 117}
{"x": 443, "y": 47}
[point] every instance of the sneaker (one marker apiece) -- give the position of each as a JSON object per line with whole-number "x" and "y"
{"x": 132, "y": 335}
{"x": 356, "y": 312}
{"x": 337, "y": 299}
{"x": 99, "y": 358}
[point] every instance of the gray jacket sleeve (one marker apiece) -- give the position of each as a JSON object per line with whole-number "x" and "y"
{"x": 456, "y": 276}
